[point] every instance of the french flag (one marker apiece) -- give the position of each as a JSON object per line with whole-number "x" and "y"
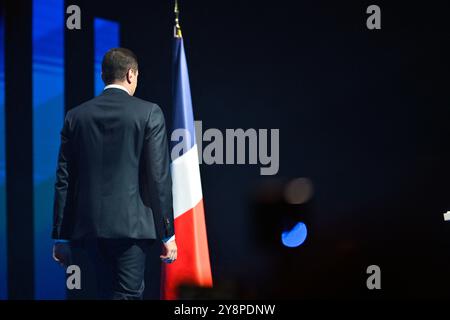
{"x": 192, "y": 266}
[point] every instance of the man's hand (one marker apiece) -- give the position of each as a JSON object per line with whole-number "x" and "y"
{"x": 62, "y": 253}
{"x": 171, "y": 252}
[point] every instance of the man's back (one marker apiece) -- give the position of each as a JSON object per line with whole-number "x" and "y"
{"x": 113, "y": 188}
{"x": 117, "y": 161}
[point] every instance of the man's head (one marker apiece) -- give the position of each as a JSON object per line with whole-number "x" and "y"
{"x": 120, "y": 66}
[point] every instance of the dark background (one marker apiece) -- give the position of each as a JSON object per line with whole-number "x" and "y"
{"x": 363, "y": 114}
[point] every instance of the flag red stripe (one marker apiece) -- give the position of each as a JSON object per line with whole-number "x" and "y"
{"x": 192, "y": 265}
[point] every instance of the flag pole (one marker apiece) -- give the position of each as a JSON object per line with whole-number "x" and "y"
{"x": 177, "y": 28}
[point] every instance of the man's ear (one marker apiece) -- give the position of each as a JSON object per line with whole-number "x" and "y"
{"x": 129, "y": 75}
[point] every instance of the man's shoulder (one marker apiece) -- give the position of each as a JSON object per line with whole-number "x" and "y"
{"x": 144, "y": 103}
{"x": 150, "y": 109}
{"x": 138, "y": 104}
{"x": 73, "y": 111}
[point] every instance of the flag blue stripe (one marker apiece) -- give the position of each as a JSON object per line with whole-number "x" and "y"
{"x": 183, "y": 117}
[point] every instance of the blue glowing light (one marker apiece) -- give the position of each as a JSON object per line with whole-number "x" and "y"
{"x": 3, "y": 238}
{"x": 48, "y": 114}
{"x": 294, "y": 237}
{"x": 106, "y": 36}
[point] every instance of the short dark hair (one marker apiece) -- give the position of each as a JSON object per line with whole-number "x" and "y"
{"x": 116, "y": 63}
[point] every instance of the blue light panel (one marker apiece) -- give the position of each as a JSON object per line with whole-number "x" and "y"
{"x": 106, "y": 36}
{"x": 3, "y": 231}
{"x": 48, "y": 115}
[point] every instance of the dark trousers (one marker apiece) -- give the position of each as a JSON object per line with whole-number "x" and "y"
{"x": 119, "y": 267}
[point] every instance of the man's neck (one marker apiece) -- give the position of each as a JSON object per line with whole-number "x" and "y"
{"x": 117, "y": 86}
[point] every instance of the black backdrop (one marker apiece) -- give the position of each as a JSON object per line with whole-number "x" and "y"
{"x": 363, "y": 114}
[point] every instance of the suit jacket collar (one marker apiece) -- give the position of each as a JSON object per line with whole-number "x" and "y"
{"x": 116, "y": 87}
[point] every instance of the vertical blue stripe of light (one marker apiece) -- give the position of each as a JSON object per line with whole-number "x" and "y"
{"x": 48, "y": 114}
{"x": 106, "y": 36}
{"x": 182, "y": 103}
{"x": 3, "y": 231}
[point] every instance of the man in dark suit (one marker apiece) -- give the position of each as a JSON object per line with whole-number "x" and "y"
{"x": 113, "y": 188}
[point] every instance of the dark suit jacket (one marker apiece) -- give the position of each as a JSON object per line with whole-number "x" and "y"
{"x": 113, "y": 176}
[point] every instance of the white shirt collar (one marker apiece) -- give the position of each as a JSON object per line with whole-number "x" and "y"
{"x": 116, "y": 86}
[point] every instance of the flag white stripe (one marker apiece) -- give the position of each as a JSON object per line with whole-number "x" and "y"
{"x": 186, "y": 183}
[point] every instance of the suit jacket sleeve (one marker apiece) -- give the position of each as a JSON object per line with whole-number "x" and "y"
{"x": 157, "y": 165}
{"x": 62, "y": 180}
